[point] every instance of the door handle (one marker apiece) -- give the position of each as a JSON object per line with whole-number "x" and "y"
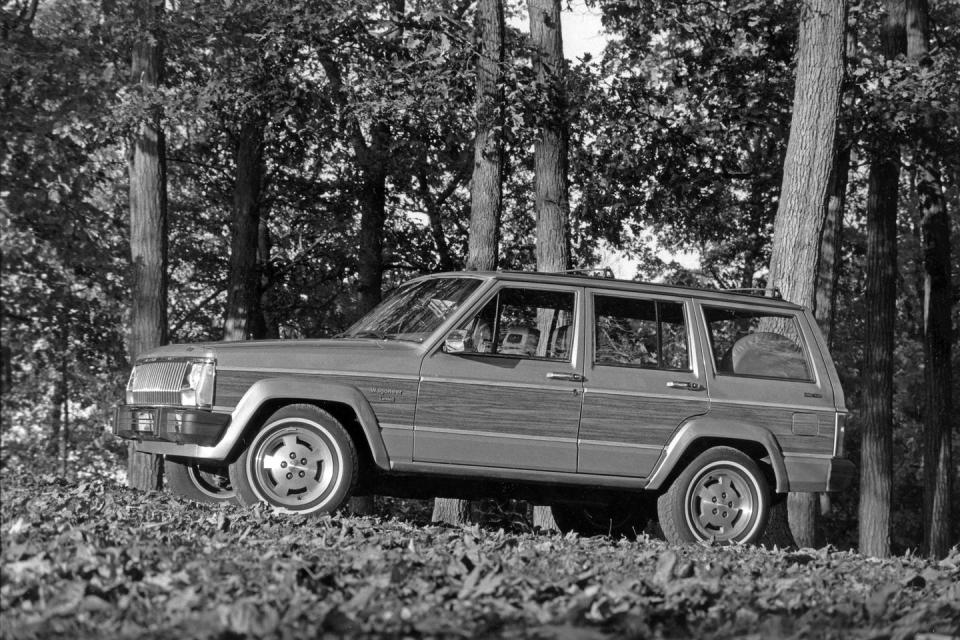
{"x": 691, "y": 386}
{"x": 560, "y": 375}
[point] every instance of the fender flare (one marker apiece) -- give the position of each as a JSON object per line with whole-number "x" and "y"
{"x": 702, "y": 427}
{"x": 299, "y": 390}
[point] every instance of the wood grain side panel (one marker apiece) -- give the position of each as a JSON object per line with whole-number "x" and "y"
{"x": 634, "y": 419}
{"x": 780, "y": 422}
{"x": 550, "y": 413}
{"x": 392, "y": 400}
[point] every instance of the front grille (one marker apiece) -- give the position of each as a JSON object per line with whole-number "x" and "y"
{"x": 158, "y": 382}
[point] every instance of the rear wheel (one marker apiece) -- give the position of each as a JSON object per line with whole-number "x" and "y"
{"x": 721, "y": 496}
{"x": 198, "y": 482}
{"x": 601, "y": 519}
{"x": 301, "y": 461}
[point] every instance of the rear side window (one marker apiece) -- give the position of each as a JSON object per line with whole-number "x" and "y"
{"x": 756, "y": 343}
{"x": 650, "y": 334}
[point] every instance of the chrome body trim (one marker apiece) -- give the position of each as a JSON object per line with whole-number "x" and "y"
{"x": 493, "y": 383}
{"x": 493, "y": 434}
{"x": 619, "y": 445}
{"x": 274, "y": 371}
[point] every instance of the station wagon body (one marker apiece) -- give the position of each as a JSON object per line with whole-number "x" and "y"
{"x": 613, "y": 401}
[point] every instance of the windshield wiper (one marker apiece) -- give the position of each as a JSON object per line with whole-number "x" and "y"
{"x": 379, "y": 335}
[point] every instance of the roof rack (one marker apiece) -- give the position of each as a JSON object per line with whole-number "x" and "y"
{"x": 773, "y": 292}
{"x": 606, "y": 272}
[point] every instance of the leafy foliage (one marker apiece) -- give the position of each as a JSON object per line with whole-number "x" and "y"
{"x": 96, "y": 559}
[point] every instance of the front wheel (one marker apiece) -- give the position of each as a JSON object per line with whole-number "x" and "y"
{"x": 721, "y": 496}
{"x": 301, "y": 461}
{"x": 198, "y": 482}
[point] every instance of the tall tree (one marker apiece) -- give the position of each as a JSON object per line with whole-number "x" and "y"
{"x": 551, "y": 202}
{"x": 800, "y": 223}
{"x": 937, "y": 303}
{"x": 148, "y": 219}
{"x": 876, "y": 462}
{"x": 243, "y": 289}
{"x": 486, "y": 189}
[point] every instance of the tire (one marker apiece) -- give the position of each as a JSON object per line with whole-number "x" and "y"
{"x": 623, "y": 520}
{"x": 717, "y": 476}
{"x": 302, "y": 461}
{"x": 198, "y": 482}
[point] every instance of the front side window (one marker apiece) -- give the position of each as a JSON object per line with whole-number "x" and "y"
{"x": 756, "y": 343}
{"x": 524, "y": 323}
{"x": 415, "y": 310}
{"x": 651, "y": 334}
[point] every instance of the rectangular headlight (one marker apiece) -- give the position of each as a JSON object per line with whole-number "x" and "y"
{"x": 198, "y": 384}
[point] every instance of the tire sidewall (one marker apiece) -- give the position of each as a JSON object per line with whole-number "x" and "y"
{"x": 676, "y": 506}
{"x": 244, "y": 475}
{"x": 182, "y": 480}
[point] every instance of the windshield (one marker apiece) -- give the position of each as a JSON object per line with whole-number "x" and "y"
{"x": 415, "y": 310}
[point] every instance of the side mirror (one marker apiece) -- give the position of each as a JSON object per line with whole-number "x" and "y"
{"x": 458, "y": 341}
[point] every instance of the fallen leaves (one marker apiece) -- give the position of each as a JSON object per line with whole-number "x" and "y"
{"x": 99, "y": 560}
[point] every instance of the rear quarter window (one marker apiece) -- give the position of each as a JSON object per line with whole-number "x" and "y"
{"x": 756, "y": 343}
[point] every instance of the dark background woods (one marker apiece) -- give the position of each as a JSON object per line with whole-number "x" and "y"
{"x": 313, "y": 155}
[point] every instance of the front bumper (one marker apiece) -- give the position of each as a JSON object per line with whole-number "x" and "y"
{"x": 170, "y": 424}
{"x": 819, "y": 474}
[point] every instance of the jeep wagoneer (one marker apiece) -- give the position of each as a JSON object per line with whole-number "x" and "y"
{"x": 612, "y": 401}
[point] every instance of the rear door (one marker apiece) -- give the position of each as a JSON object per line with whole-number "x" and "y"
{"x": 510, "y": 396}
{"x": 642, "y": 380}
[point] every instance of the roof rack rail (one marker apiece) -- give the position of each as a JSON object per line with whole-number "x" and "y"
{"x": 606, "y": 272}
{"x": 773, "y": 292}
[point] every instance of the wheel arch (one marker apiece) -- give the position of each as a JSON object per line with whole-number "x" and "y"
{"x": 698, "y": 435}
{"x": 345, "y": 403}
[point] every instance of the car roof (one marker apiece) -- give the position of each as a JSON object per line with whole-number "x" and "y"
{"x": 627, "y": 286}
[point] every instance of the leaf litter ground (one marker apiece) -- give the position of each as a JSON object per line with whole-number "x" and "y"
{"x": 95, "y": 559}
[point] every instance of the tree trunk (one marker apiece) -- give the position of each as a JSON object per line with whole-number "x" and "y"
{"x": 551, "y": 203}
{"x": 243, "y": 287}
{"x": 937, "y": 302}
{"x": 148, "y": 225}
{"x": 486, "y": 186}
{"x": 795, "y": 261}
{"x": 876, "y": 457}
{"x": 373, "y": 216}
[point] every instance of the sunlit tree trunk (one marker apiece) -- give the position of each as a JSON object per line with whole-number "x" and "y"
{"x": 148, "y": 224}
{"x": 800, "y": 222}
{"x": 243, "y": 287}
{"x": 551, "y": 204}
{"x": 937, "y": 303}
{"x": 486, "y": 185}
{"x": 876, "y": 456}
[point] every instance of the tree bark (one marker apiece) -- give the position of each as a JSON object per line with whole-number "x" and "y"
{"x": 551, "y": 203}
{"x": 876, "y": 457}
{"x": 243, "y": 288}
{"x": 373, "y": 216}
{"x": 148, "y": 224}
{"x": 796, "y": 260}
{"x": 937, "y": 302}
{"x": 486, "y": 188}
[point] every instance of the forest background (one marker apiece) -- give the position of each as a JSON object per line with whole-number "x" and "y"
{"x": 316, "y": 154}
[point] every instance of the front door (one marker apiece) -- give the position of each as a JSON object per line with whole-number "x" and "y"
{"x": 642, "y": 381}
{"x": 507, "y": 392}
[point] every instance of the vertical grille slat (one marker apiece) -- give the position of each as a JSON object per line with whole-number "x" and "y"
{"x": 159, "y": 382}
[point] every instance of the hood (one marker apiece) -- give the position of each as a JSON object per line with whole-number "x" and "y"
{"x": 340, "y": 355}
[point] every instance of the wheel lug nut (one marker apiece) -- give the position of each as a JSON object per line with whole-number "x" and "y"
{"x": 293, "y": 456}
{"x": 714, "y": 512}
{"x": 289, "y": 476}
{"x": 714, "y": 499}
{"x": 724, "y": 514}
{"x": 303, "y": 461}
{"x": 283, "y": 465}
{"x": 302, "y": 474}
